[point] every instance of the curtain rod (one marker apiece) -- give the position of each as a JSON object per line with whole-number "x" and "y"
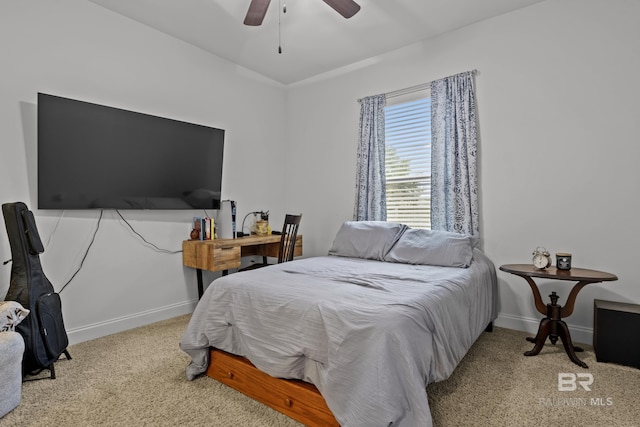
{"x": 411, "y": 89}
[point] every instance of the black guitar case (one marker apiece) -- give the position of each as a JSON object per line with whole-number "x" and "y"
{"x": 43, "y": 329}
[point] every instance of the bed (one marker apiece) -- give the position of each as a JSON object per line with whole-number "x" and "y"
{"x": 389, "y": 310}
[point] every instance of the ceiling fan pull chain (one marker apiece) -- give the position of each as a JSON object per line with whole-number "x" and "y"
{"x": 283, "y": 8}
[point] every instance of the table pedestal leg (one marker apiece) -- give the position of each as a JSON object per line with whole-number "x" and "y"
{"x": 540, "y": 338}
{"x": 554, "y": 327}
{"x": 568, "y": 346}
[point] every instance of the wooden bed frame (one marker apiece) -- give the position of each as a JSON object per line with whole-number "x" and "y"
{"x": 296, "y": 399}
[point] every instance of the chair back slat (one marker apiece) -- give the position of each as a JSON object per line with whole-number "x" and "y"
{"x": 288, "y": 239}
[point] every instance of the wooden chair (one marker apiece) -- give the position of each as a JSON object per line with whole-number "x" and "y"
{"x": 288, "y": 237}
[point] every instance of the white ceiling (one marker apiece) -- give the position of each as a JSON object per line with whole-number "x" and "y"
{"x": 314, "y": 38}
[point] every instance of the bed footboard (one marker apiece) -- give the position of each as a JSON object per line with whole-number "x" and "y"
{"x": 296, "y": 399}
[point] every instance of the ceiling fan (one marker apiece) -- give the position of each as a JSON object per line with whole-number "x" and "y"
{"x": 258, "y": 8}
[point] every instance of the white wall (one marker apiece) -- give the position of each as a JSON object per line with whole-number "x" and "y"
{"x": 557, "y": 93}
{"x": 76, "y": 49}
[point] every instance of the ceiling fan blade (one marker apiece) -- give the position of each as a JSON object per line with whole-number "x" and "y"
{"x": 256, "y": 12}
{"x": 346, "y": 8}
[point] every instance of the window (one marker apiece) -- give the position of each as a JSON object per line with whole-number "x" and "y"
{"x": 408, "y": 162}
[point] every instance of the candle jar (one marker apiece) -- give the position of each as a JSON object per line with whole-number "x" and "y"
{"x": 563, "y": 261}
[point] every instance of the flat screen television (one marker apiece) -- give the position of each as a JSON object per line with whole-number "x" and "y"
{"x": 93, "y": 156}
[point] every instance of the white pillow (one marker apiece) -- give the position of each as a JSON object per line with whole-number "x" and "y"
{"x": 11, "y": 313}
{"x": 366, "y": 239}
{"x": 432, "y": 247}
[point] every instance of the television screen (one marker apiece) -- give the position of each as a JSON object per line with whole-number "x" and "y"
{"x": 93, "y": 156}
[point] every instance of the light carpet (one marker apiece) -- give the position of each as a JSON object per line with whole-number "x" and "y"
{"x": 137, "y": 378}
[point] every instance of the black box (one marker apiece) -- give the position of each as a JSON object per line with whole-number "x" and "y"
{"x": 616, "y": 332}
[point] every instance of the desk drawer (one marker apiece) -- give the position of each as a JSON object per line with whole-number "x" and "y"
{"x": 225, "y": 258}
{"x": 210, "y": 255}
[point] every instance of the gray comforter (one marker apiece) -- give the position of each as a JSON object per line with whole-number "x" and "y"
{"x": 370, "y": 335}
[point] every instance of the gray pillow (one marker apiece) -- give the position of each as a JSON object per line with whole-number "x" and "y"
{"x": 431, "y": 247}
{"x": 366, "y": 239}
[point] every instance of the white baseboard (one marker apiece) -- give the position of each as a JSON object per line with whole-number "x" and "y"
{"x": 579, "y": 334}
{"x": 112, "y": 326}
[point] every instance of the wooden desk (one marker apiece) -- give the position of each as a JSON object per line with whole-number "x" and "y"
{"x": 223, "y": 254}
{"x": 552, "y": 326}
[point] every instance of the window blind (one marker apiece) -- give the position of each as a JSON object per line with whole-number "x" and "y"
{"x": 408, "y": 162}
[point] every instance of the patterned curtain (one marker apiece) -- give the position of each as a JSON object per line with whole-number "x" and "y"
{"x": 454, "y": 179}
{"x": 371, "y": 197}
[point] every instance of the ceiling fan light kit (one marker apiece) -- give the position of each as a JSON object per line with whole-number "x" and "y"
{"x": 258, "y": 9}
